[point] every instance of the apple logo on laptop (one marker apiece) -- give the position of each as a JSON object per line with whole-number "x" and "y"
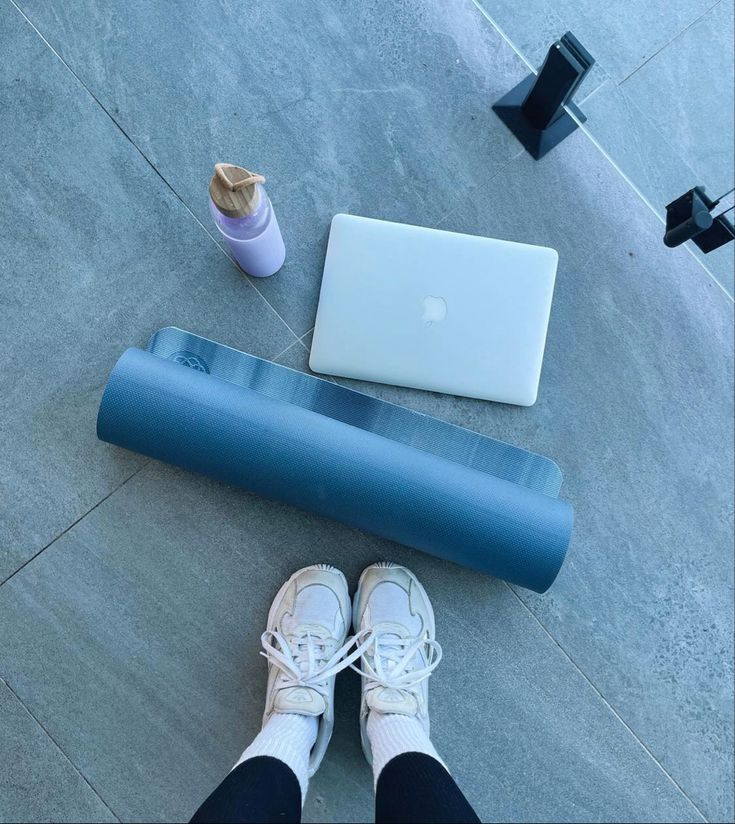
{"x": 435, "y": 310}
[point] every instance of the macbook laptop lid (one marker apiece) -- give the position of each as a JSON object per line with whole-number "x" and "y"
{"x": 434, "y": 310}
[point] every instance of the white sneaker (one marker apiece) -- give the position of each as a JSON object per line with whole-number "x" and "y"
{"x": 393, "y": 610}
{"x": 305, "y": 647}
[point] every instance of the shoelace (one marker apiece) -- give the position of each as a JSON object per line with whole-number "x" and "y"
{"x": 303, "y": 658}
{"x": 393, "y": 661}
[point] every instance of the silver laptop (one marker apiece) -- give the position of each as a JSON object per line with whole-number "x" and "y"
{"x": 433, "y": 310}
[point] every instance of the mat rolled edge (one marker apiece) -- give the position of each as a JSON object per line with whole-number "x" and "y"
{"x": 205, "y": 424}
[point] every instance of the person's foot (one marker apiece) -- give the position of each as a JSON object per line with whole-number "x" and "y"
{"x": 305, "y": 644}
{"x": 391, "y": 605}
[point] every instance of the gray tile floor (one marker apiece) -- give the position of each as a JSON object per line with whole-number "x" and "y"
{"x": 133, "y": 594}
{"x": 660, "y": 98}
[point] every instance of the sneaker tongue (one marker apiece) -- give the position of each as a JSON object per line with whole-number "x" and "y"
{"x": 387, "y": 700}
{"x": 391, "y": 699}
{"x": 299, "y": 701}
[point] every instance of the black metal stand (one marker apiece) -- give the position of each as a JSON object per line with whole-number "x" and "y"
{"x": 689, "y": 218}
{"x": 535, "y": 109}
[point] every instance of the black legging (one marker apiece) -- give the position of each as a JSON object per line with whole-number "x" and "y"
{"x": 412, "y": 788}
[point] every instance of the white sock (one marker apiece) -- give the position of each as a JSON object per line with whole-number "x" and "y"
{"x": 289, "y": 738}
{"x": 391, "y": 735}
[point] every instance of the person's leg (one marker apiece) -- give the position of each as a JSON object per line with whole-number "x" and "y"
{"x": 412, "y": 783}
{"x": 260, "y": 789}
{"x": 305, "y": 647}
{"x": 415, "y": 787}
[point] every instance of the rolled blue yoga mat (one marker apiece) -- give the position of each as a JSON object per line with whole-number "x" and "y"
{"x": 321, "y": 447}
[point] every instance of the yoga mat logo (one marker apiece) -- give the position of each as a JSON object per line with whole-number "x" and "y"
{"x": 191, "y": 360}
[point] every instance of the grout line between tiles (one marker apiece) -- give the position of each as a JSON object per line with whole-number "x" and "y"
{"x": 283, "y": 351}
{"x": 59, "y": 748}
{"x": 73, "y": 524}
{"x": 305, "y": 335}
{"x": 437, "y": 223}
{"x": 605, "y": 701}
{"x": 145, "y": 158}
{"x": 594, "y": 92}
{"x": 654, "y": 211}
{"x": 500, "y": 31}
{"x": 669, "y": 42}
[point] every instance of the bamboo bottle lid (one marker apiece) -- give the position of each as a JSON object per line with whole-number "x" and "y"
{"x": 234, "y": 190}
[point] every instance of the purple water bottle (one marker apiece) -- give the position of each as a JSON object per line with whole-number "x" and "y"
{"x": 245, "y": 217}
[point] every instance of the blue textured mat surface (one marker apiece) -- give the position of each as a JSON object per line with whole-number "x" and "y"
{"x": 339, "y": 453}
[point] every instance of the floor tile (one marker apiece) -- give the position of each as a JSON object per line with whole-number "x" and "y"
{"x": 636, "y": 406}
{"x": 37, "y": 781}
{"x": 620, "y": 36}
{"x": 135, "y": 639}
{"x": 98, "y": 253}
{"x": 384, "y": 111}
{"x": 687, "y": 91}
{"x": 721, "y": 265}
{"x": 652, "y": 163}
{"x": 637, "y": 147}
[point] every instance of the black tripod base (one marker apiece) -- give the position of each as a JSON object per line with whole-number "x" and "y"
{"x": 537, "y": 142}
